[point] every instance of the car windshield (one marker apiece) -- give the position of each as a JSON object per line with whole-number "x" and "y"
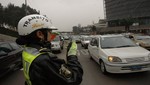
{"x": 116, "y": 42}
{"x": 57, "y": 38}
{"x": 142, "y": 37}
{"x": 87, "y": 39}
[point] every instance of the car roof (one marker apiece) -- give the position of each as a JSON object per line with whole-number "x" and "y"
{"x": 108, "y": 35}
{"x": 85, "y": 36}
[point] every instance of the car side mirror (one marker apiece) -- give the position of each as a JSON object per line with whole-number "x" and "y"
{"x": 131, "y": 37}
{"x": 138, "y": 44}
{"x": 61, "y": 39}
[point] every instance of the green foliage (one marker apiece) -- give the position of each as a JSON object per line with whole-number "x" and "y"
{"x": 11, "y": 14}
{"x": 1, "y": 15}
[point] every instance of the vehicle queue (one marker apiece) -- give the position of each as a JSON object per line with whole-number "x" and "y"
{"x": 115, "y": 53}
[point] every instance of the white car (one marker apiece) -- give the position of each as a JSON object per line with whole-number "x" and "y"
{"x": 57, "y": 44}
{"x": 118, "y": 54}
{"x": 85, "y": 40}
{"x": 76, "y": 38}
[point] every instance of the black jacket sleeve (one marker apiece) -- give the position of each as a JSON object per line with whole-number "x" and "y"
{"x": 45, "y": 70}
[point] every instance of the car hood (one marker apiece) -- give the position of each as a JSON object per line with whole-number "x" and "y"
{"x": 127, "y": 52}
{"x": 146, "y": 41}
{"x": 86, "y": 41}
{"x": 55, "y": 42}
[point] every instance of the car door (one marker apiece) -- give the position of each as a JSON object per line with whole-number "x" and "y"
{"x": 82, "y": 41}
{"x": 90, "y": 47}
{"x": 93, "y": 48}
{"x": 7, "y": 59}
{"x": 61, "y": 42}
{"x": 96, "y": 49}
{"x": 17, "y": 51}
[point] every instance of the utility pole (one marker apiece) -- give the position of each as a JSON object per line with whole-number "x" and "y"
{"x": 25, "y": 7}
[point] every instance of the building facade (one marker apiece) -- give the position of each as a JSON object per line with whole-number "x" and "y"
{"x": 120, "y": 11}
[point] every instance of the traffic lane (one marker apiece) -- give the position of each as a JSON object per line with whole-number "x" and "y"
{"x": 93, "y": 75}
{"x": 13, "y": 78}
{"x": 141, "y": 78}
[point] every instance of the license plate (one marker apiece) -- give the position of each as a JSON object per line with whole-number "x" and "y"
{"x": 133, "y": 68}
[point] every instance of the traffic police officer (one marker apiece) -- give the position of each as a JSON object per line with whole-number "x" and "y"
{"x": 40, "y": 66}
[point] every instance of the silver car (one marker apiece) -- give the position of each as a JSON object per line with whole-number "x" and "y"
{"x": 57, "y": 44}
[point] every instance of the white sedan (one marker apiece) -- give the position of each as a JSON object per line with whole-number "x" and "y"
{"x": 85, "y": 40}
{"x": 117, "y": 54}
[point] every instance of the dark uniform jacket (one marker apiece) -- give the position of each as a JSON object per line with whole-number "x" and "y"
{"x": 45, "y": 70}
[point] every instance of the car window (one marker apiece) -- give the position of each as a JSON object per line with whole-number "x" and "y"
{"x": 94, "y": 42}
{"x": 97, "y": 42}
{"x": 2, "y": 53}
{"x": 116, "y": 42}
{"x": 5, "y": 47}
{"x": 14, "y": 46}
{"x": 61, "y": 38}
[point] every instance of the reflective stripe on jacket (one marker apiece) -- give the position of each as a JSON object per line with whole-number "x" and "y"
{"x": 41, "y": 67}
{"x": 29, "y": 54}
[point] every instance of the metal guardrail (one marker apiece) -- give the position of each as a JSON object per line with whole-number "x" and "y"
{"x": 122, "y": 29}
{"x": 8, "y": 32}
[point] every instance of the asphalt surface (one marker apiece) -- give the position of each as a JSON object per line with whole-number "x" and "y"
{"x": 92, "y": 74}
{"x": 7, "y": 38}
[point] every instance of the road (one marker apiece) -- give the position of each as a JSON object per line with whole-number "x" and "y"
{"x": 92, "y": 74}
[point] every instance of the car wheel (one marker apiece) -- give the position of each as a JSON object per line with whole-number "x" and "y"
{"x": 102, "y": 67}
{"x": 60, "y": 51}
{"x": 85, "y": 47}
{"x": 62, "y": 47}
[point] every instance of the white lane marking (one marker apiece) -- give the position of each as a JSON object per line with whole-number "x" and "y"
{"x": 78, "y": 53}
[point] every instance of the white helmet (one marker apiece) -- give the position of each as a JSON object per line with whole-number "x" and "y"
{"x": 33, "y": 22}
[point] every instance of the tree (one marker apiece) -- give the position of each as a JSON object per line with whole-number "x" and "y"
{"x": 127, "y": 23}
{"x": 93, "y": 29}
{"x": 11, "y": 14}
{"x": 1, "y": 15}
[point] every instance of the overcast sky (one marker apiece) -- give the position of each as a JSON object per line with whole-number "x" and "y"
{"x": 65, "y": 14}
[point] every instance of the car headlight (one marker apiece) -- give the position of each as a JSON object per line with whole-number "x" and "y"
{"x": 114, "y": 59}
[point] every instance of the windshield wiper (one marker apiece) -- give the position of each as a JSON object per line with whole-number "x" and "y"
{"x": 107, "y": 47}
{"x": 124, "y": 46}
